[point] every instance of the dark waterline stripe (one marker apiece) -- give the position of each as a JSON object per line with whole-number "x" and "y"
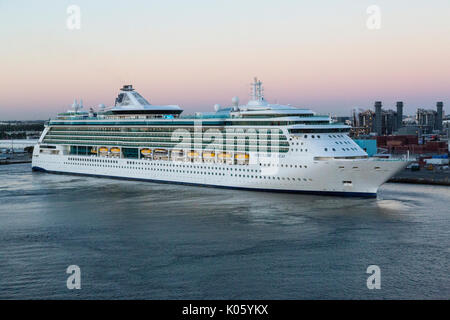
{"x": 328, "y": 193}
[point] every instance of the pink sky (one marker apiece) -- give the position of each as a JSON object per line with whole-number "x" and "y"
{"x": 324, "y": 57}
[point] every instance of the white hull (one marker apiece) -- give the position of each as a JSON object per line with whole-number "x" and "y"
{"x": 358, "y": 177}
{"x": 257, "y": 146}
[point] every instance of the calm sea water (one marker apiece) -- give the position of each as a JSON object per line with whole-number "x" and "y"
{"x": 139, "y": 240}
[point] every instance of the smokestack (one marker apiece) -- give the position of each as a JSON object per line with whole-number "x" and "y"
{"x": 399, "y": 114}
{"x": 440, "y": 115}
{"x": 378, "y": 118}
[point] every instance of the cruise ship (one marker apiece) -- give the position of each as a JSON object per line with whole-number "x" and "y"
{"x": 253, "y": 146}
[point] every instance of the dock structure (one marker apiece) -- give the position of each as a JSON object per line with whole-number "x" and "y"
{"x": 17, "y": 143}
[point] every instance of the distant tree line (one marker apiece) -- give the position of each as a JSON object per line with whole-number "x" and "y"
{"x": 19, "y": 129}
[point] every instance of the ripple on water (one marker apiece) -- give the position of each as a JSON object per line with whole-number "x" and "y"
{"x": 156, "y": 241}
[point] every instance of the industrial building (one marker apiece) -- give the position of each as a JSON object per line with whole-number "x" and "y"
{"x": 430, "y": 121}
{"x": 387, "y": 122}
{"x": 379, "y": 122}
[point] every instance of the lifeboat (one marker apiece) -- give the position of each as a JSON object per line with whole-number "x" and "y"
{"x": 193, "y": 154}
{"x": 177, "y": 152}
{"x": 161, "y": 151}
{"x": 224, "y": 155}
{"x": 115, "y": 150}
{"x": 93, "y": 150}
{"x": 241, "y": 156}
{"x": 146, "y": 152}
{"x": 208, "y": 154}
{"x": 103, "y": 150}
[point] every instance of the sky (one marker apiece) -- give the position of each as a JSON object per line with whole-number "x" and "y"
{"x": 313, "y": 54}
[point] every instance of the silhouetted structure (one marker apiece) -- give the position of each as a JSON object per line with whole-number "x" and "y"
{"x": 366, "y": 122}
{"x": 389, "y": 122}
{"x": 426, "y": 120}
{"x": 430, "y": 121}
{"x": 378, "y": 118}
{"x": 440, "y": 115}
{"x": 386, "y": 122}
{"x": 399, "y": 115}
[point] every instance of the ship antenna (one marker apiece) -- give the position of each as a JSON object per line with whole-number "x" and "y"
{"x": 257, "y": 90}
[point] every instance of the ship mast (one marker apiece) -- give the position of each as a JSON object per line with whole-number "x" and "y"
{"x": 257, "y": 90}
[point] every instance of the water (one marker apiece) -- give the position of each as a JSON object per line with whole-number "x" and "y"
{"x": 139, "y": 240}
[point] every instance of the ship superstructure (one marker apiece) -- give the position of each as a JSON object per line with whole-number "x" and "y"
{"x": 256, "y": 146}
